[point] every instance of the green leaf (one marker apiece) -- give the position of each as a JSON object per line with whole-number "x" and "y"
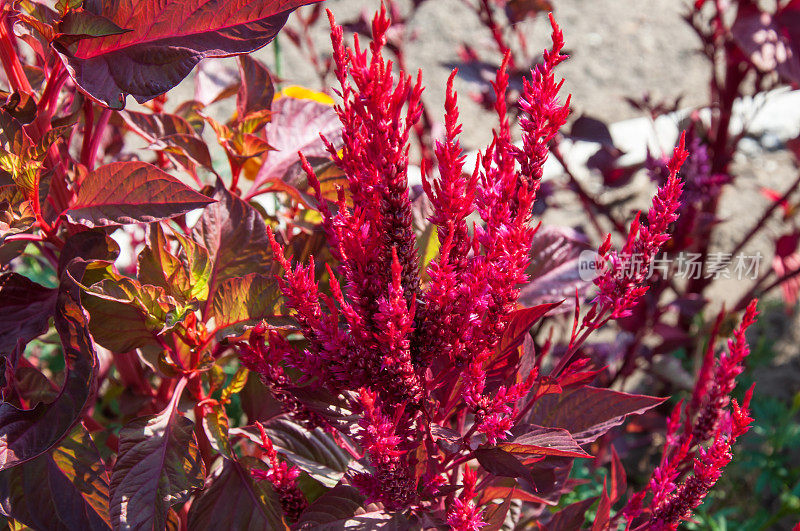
{"x": 215, "y": 424}
{"x": 131, "y": 192}
{"x": 234, "y": 500}
{"x": 239, "y": 302}
{"x": 64, "y": 489}
{"x": 79, "y": 24}
{"x": 184, "y": 276}
{"x": 216, "y": 378}
{"x": 236, "y": 385}
{"x": 158, "y": 466}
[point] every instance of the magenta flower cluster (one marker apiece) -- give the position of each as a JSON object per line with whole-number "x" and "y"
{"x": 382, "y": 334}
{"x": 688, "y": 469}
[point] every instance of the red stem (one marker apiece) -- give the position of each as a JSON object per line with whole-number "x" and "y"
{"x": 8, "y": 56}
{"x": 97, "y": 137}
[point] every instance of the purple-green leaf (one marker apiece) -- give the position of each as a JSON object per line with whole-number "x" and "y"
{"x": 235, "y": 236}
{"x": 65, "y": 489}
{"x": 78, "y": 24}
{"x": 131, "y": 192}
{"x": 183, "y": 275}
{"x": 28, "y": 433}
{"x": 167, "y": 39}
{"x": 158, "y": 466}
{"x": 234, "y": 500}
{"x": 242, "y": 301}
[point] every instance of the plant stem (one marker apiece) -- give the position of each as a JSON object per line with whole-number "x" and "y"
{"x": 97, "y": 137}
{"x": 8, "y": 56}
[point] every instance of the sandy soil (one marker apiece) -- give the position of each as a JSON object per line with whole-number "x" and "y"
{"x": 618, "y": 48}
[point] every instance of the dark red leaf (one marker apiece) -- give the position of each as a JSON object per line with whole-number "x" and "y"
{"x": 495, "y": 515}
{"x": 25, "y": 308}
{"x": 235, "y": 236}
{"x": 65, "y": 489}
{"x": 551, "y": 476}
{"x": 131, "y": 192}
{"x": 603, "y": 515}
{"x": 167, "y": 39}
{"x": 315, "y": 452}
{"x": 588, "y": 412}
{"x": 26, "y": 434}
{"x": 508, "y": 488}
{"x": 342, "y": 507}
{"x": 256, "y": 89}
{"x": 619, "y": 482}
{"x": 234, "y": 500}
{"x": 518, "y": 10}
{"x": 520, "y": 323}
{"x": 186, "y": 150}
{"x": 88, "y": 245}
{"x": 591, "y": 130}
{"x": 571, "y": 517}
{"x": 338, "y": 505}
{"x": 153, "y": 126}
{"x": 501, "y": 463}
{"x": 536, "y": 440}
{"x": 158, "y": 465}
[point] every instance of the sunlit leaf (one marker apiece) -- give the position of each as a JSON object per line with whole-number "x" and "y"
{"x": 536, "y": 440}
{"x": 239, "y": 302}
{"x": 185, "y": 275}
{"x": 131, "y": 192}
{"x": 167, "y": 39}
{"x": 64, "y": 489}
{"x": 296, "y": 126}
{"x": 235, "y": 236}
